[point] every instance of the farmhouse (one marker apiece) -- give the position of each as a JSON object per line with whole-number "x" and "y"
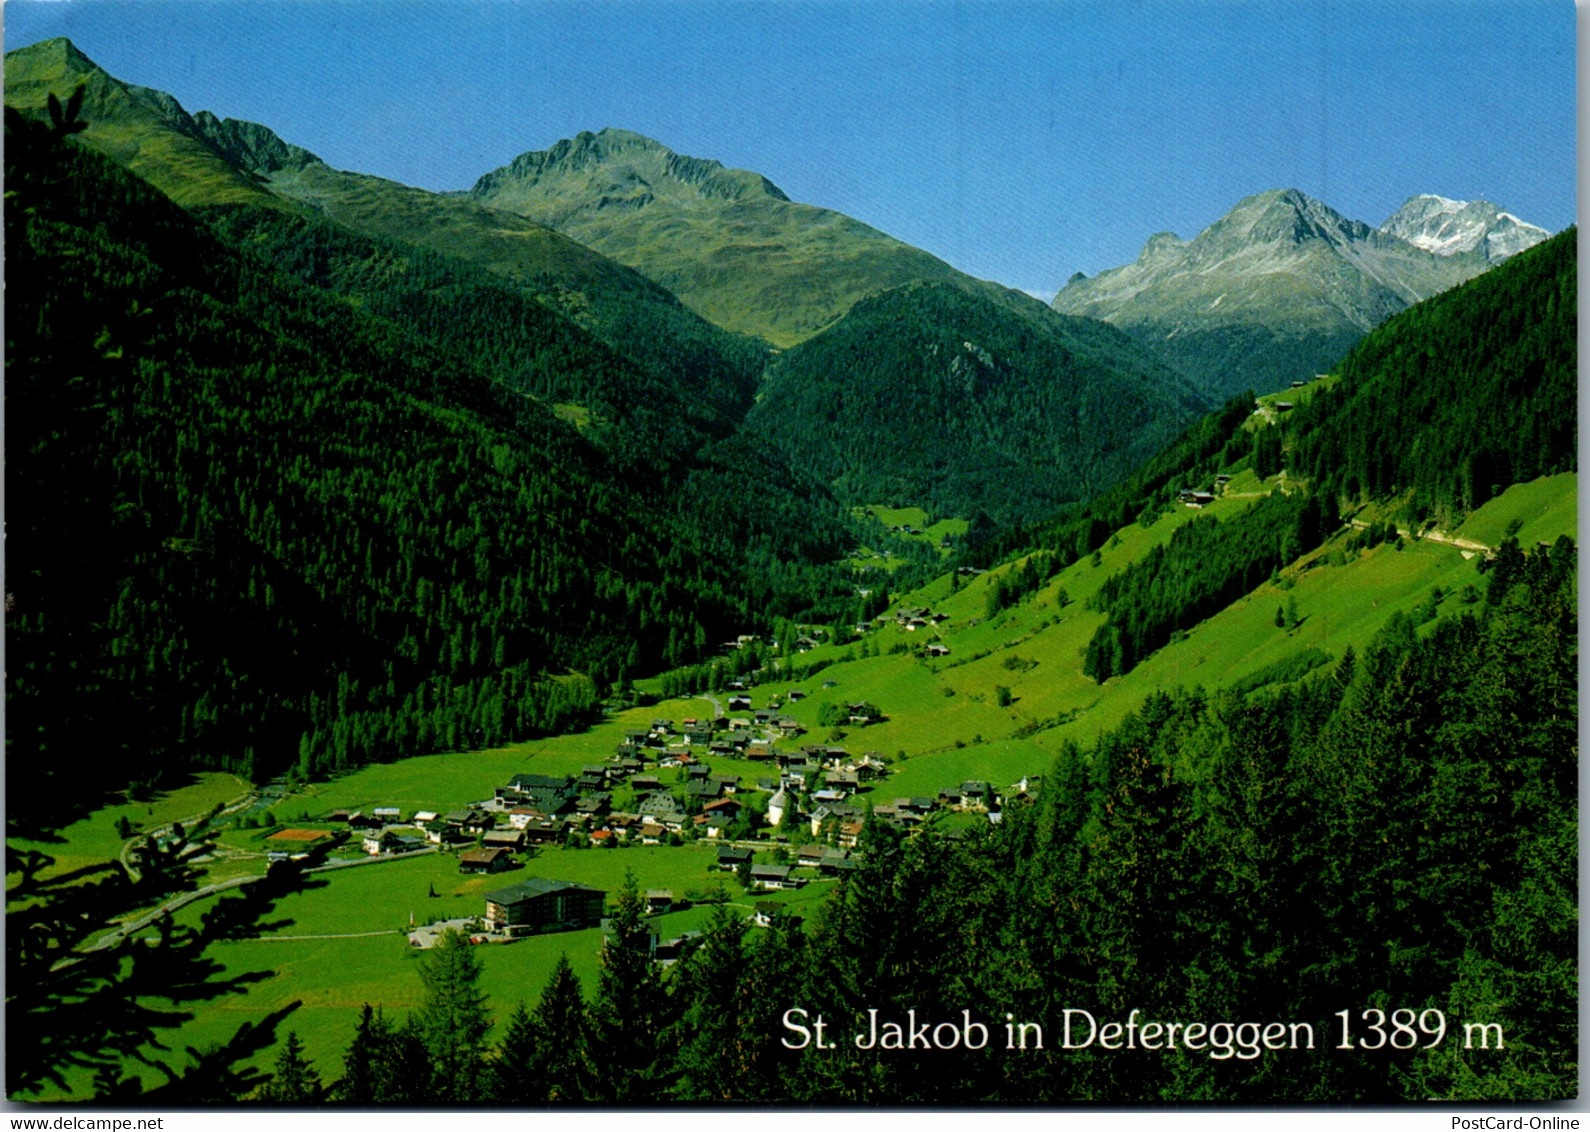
{"x": 771, "y": 877}
{"x": 970, "y": 795}
{"x": 544, "y": 792}
{"x": 730, "y": 858}
{"x": 540, "y": 905}
{"x": 704, "y": 789}
{"x": 843, "y": 780}
{"x": 810, "y": 856}
{"x": 471, "y": 822}
{"x": 547, "y": 832}
{"x": 661, "y": 806}
{"x": 484, "y": 860}
{"x": 869, "y": 767}
{"x": 837, "y": 811}
{"x": 512, "y": 840}
{"x": 824, "y": 857}
{"x": 377, "y": 843}
{"x": 728, "y": 807}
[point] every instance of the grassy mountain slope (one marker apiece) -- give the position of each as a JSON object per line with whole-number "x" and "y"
{"x": 1509, "y": 334}
{"x": 145, "y": 130}
{"x": 948, "y": 400}
{"x": 726, "y": 241}
{"x": 944, "y": 712}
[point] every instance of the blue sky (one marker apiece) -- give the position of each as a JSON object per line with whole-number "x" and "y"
{"x": 1019, "y": 141}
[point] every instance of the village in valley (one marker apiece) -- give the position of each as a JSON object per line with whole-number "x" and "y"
{"x": 746, "y": 783}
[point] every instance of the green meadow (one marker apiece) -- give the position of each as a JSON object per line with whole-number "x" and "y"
{"x": 94, "y": 839}
{"x": 332, "y": 978}
{"x": 1544, "y": 508}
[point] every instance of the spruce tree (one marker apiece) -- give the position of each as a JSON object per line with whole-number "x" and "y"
{"x": 630, "y": 1005}
{"x": 453, "y": 1021}
{"x": 507, "y": 1077}
{"x": 296, "y": 1080}
{"x": 562, "y": 1061}
{"x": 361, "y": 1064}
{"x": 712, "y": 1037}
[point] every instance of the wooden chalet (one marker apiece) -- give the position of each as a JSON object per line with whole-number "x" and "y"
{"x": 484, "y": 860}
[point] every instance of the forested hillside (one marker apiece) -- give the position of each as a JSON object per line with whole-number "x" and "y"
{"x": 1434, "y": 413}
{"x": 1458, "y": 397}
{"x": 628, "y": 312}
{"x": 251, "y": 525}
{"x": 945, "y": 399}
{"x": 638, "y": 415}
{"x": 667, "y": 418}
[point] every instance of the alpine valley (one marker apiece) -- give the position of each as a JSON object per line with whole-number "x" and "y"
{"x": 807, "y": 629}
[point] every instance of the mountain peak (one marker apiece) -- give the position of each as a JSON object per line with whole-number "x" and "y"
{"x": 1452, "y": 227}
{"x": 619, "y": 167}
{"x": 1276, "y": 289}
{"x": 59, "y": 54}
{"x": 1283, "y": 216}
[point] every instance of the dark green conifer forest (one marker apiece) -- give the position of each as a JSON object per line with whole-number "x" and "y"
{"x": 1457, "y": 397}
{"x": 248, "y": 520}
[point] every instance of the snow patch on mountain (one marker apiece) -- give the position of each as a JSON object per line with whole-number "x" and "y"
{"x": 1454, "y": 227}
